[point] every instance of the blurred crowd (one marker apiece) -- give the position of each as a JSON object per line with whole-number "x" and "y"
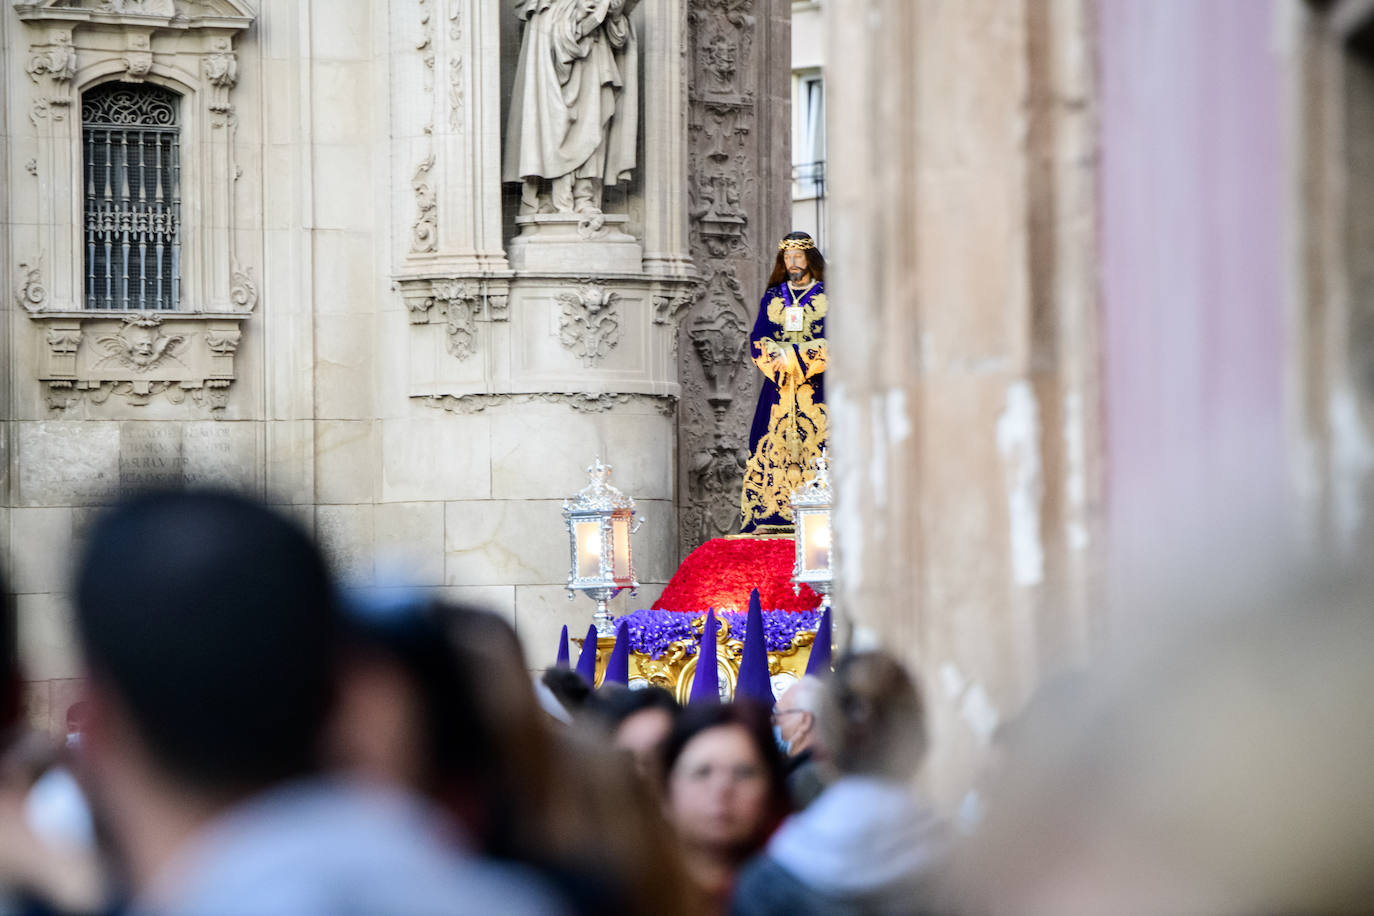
{"x": 252, "y": 740}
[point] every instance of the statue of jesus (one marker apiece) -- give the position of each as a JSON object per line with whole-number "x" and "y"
{"x": 788, "y": 346}
{"x": 574, "y": 110}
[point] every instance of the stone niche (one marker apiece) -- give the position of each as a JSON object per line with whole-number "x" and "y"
{"x": 86, "y": 355}
{"x": 504, "y": 302}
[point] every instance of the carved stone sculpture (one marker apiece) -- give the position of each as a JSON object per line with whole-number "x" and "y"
{"x": 589, "y": 323}
{"x": 574, "y": 108}
{"x": 140, "y": 344}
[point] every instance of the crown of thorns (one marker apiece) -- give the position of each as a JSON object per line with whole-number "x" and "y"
{"x": 796, "y": 244}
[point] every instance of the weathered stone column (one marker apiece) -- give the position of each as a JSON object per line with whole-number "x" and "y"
{"x": 666, "y": 249}
{"x": 740, "y": 184}
{"x": 962, "y": 377}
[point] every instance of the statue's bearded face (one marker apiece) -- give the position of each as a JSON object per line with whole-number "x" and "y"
{"x": 798, "y": 271}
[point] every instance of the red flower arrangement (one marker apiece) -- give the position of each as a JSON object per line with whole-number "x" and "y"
{"x": 720, "y": 574}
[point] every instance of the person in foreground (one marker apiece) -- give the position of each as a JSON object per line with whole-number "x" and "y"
{"x": 794, "y": 723}
{"x": 211, "y": 671}
{"x": 724, "y": 793}
{"x": 867, "y": 846}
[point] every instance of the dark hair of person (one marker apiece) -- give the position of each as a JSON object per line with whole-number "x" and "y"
{"x": 413, "y": 632}
{"x": 873, "y": 717}
{"x": 568, "y": 687}
{"x": 813, "y": 260}
{"x": 504, "y": 772}
{"x": 9, "y": 659}
{"x": 614, "y": 704}
{"x": 213, "y": 620}
{"x": 756, "y": 721}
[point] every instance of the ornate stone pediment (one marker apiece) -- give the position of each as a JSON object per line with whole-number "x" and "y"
{"x": 166, "y": 14}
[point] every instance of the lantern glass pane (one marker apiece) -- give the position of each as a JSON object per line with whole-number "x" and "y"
{"x": 588, "y": 549}
{"x": 620, "y": 542}
{"x": 816, "y": 540}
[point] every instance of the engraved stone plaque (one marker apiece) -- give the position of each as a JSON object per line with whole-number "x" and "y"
{"x": 150, "y": 456}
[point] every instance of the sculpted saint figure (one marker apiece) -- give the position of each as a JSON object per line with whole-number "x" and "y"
{"x": 574, "y": 113}
{"x": 788, "y": 346}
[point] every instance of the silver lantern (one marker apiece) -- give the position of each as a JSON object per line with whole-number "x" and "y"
{"x": 811, "y": 504}
{"x": 600, "y": 521}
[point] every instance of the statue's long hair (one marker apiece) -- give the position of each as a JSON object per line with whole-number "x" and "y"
{"x": 813, "y": 260}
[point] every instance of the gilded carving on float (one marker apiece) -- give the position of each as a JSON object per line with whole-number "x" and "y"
{"x": 675, "y": 669}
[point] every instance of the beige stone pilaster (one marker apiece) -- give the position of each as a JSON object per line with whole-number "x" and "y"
{"x": 962, "y": 381}
{"x": 666, "y": 248}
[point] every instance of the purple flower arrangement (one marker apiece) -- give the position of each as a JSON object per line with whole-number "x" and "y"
{"x": 651, "y": 632}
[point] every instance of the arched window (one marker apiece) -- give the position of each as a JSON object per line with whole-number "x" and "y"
{"x": 132, "y": 171}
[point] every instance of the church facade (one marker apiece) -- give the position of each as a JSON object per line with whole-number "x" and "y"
{"x": 267, "y": 244}
{"x": 1099, "y": 272}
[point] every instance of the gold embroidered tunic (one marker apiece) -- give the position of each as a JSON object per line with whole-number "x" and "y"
{"x": 789, "y": 426}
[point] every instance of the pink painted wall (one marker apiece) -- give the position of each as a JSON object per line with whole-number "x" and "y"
{"x": 1192, "y": 278}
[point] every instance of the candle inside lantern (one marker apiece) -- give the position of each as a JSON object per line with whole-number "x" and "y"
{"x": 816, "y": 538}
{"x": 620, "y": 546}
{"x": 589, "y": 550}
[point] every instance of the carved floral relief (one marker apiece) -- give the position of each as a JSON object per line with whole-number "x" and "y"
{"x": 589, "y": 323}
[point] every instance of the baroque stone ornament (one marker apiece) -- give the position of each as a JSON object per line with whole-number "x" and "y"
{"x": 138, "y": 60}
{"x": 31, "y": 290}
{"x": 243, "y": 290}
{"x": 459, "y": 301}
{"x": 138, "y": 355}
{"x": 720, "y": 341}
{"x": 140, "y": 344}
{"x": 63, "y": 341}
{"x": 731, "y": 97}
{"x": 223, "y": 342}
{"x": 58, "y": 61}
{"x": 424, "y": 232}
{"x": 222, "y": 73}
{"x": 589, "y": 324}
{"x": 145, "y": 7}
{"x": 455, "y": 68}
{"x": 668, "y": 307}
{"x": 459, "y": 304}
{"x": 578, "y": 401}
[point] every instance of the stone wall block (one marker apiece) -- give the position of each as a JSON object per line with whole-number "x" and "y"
{"x": 504, "y": 542}
{"x": 346, "y": 460}
{"x": 495, "y": 599}
{"x": 47, "y": 643}
{"x": 345, "y": 367}
{"x": 42, "y": 550}
{"x": 444, "y": 457}
{"x": 346, "y": 534}
{"x": 409, "y": 539}
{"x": 66, "y": 463}
{"x": 541, "y": 451}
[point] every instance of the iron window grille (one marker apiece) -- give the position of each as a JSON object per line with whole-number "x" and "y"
{"x": 132, "y": 173}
